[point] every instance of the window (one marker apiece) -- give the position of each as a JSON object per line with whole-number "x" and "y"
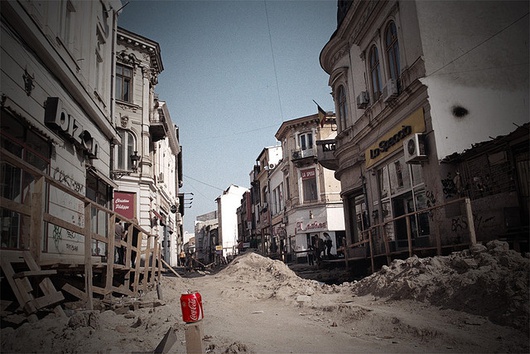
{"x": 123, "y": 83}
{"x": 125, "y": 150}
{"x": 305, "y": 140}
{"x": 67, "y": 31}
{"x": 15, "y": 184}
{"x": 277, "y": 200}
{"x": 343, "y": 108}
{"x": 309, "y": 185}
{"x": 375, "y": 73}
{"x": 392, "y": 51}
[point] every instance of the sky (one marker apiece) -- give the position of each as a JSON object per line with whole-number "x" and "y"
{"x": 233, "y": 72}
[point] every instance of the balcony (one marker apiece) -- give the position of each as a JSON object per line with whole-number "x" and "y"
{"x": 326, "y": 154}
{"x": 158, "y": 128}
{"x": 303, "y": 157}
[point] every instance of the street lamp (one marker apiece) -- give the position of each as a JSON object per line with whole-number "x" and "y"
{"x": 135, "y": 158}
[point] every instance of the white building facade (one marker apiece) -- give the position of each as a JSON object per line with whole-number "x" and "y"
{"x": 147, "y": 164}
{"x": 227, "y": 204}
{"x": 313, "y": 205}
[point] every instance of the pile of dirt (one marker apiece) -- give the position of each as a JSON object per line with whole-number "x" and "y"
{"x": 490, "y": 281}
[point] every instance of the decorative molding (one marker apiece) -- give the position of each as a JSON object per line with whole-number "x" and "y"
{"x": 128, "y": 59}
{"x": 28, "y": 82}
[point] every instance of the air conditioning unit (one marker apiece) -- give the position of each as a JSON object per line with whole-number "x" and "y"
{"x": 390, "y": 90}
{"x": 414, "y": 148}
{"x": 297, "y": 154}
{"x": 363, "y": 99}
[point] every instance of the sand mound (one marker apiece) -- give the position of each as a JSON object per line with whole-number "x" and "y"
{"x": 490, "y": 281}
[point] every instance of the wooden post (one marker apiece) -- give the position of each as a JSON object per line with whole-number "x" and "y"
{"x": 194, "y": 334}
{"x": 371, "y": 250}
{"x": 110, "y": 254}
{"x": 470, "y": 223}
{"x": 147, "y": 264}
{"x": 409, "y": 236}
{"x": 88, "y": 257}
{"x": 387, "y": 246}
{"x": 137, "y": 262}
{"x": 36, "y": 217}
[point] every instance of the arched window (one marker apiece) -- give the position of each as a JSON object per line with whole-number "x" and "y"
{"x": 343, "y": 107}
{"x": 125, "y": 150}
{"x": 392, "y": 51}
{"x": 375, "y": 73}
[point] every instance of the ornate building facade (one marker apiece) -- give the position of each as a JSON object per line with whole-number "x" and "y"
{"x": 429, "y": 97}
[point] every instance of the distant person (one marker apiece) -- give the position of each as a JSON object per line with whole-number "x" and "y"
{"x": 319, "y": 248}
{"x": 182, "y": 257}
{"x": 328, "y": 243}
{"x": 119, "y": 234}
{"x": 311, "y": 253}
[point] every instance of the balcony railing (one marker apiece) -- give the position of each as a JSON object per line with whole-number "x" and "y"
{"x": 326, "y": 153}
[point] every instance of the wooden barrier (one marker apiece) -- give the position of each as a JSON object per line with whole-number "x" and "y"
{"x": 37, "y": 259}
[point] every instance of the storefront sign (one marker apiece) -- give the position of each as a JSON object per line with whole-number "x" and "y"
{"x": 312, "y": 226}
{"x": 67, "y": 124}
{"x": 415, "y": 123}
{"x": 124, "y": 204}
{"x": 308, "y": 174}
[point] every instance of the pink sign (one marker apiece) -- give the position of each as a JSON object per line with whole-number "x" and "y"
{"x": 124, "y": 204}
{"x": 308, "y": 174}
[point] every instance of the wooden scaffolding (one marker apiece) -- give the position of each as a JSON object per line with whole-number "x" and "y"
{"x": 34, "y": 274}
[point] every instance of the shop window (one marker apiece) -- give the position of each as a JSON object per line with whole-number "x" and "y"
{"x": 309, "y": 185}
{"x": 399, "y": 176}
{"x": 123, "y": 83}
{"x": 392, "y": 51}
{"x": 375, "y": 73}
{"x": 402, "y": 192}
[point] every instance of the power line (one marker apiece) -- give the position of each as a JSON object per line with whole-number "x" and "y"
{"x": 201, "y": 182}
{"x": 238, "y": 133}
{"x": 479, "y": 44}
{"x": 273, "y": 60}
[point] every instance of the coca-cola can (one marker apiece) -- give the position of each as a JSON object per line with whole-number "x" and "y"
{"x": 191, "y": 305}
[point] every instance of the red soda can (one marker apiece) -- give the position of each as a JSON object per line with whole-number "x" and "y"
{"x": 191, "y": 305}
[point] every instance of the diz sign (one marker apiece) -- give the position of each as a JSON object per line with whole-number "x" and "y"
{"x": 68, "y": 125}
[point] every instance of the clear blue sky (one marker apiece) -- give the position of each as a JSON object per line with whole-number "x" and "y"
{"x": 229, "y": 81}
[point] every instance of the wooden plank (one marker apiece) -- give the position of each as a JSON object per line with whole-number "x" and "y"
{"x": 110, "y": 253}
{"x": 194, "y": 335}
{"x": 35, "y": 273}
{"x": 101, "y": 291}
{"x": 75, "y": 292}
{"x": 88, "y": 258}
{"x": 171, "y": 268}
{"x": 15, "y": 206}
{"x": 64, "y": 224}
{"x": 48, "y": 300}
{"x": 470, "y": 223}
{"x": 22, "y": 297}
{"x": 409, "y": 235}
{"x": 37, "y": 211}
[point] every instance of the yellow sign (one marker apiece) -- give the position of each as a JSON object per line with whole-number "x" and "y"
{"x": 218, "y": 248}
{"x": 390, "y": 142}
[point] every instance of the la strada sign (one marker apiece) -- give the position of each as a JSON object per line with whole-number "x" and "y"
{"x": 124, "y": 204}
{"x": 388, "y": 143}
